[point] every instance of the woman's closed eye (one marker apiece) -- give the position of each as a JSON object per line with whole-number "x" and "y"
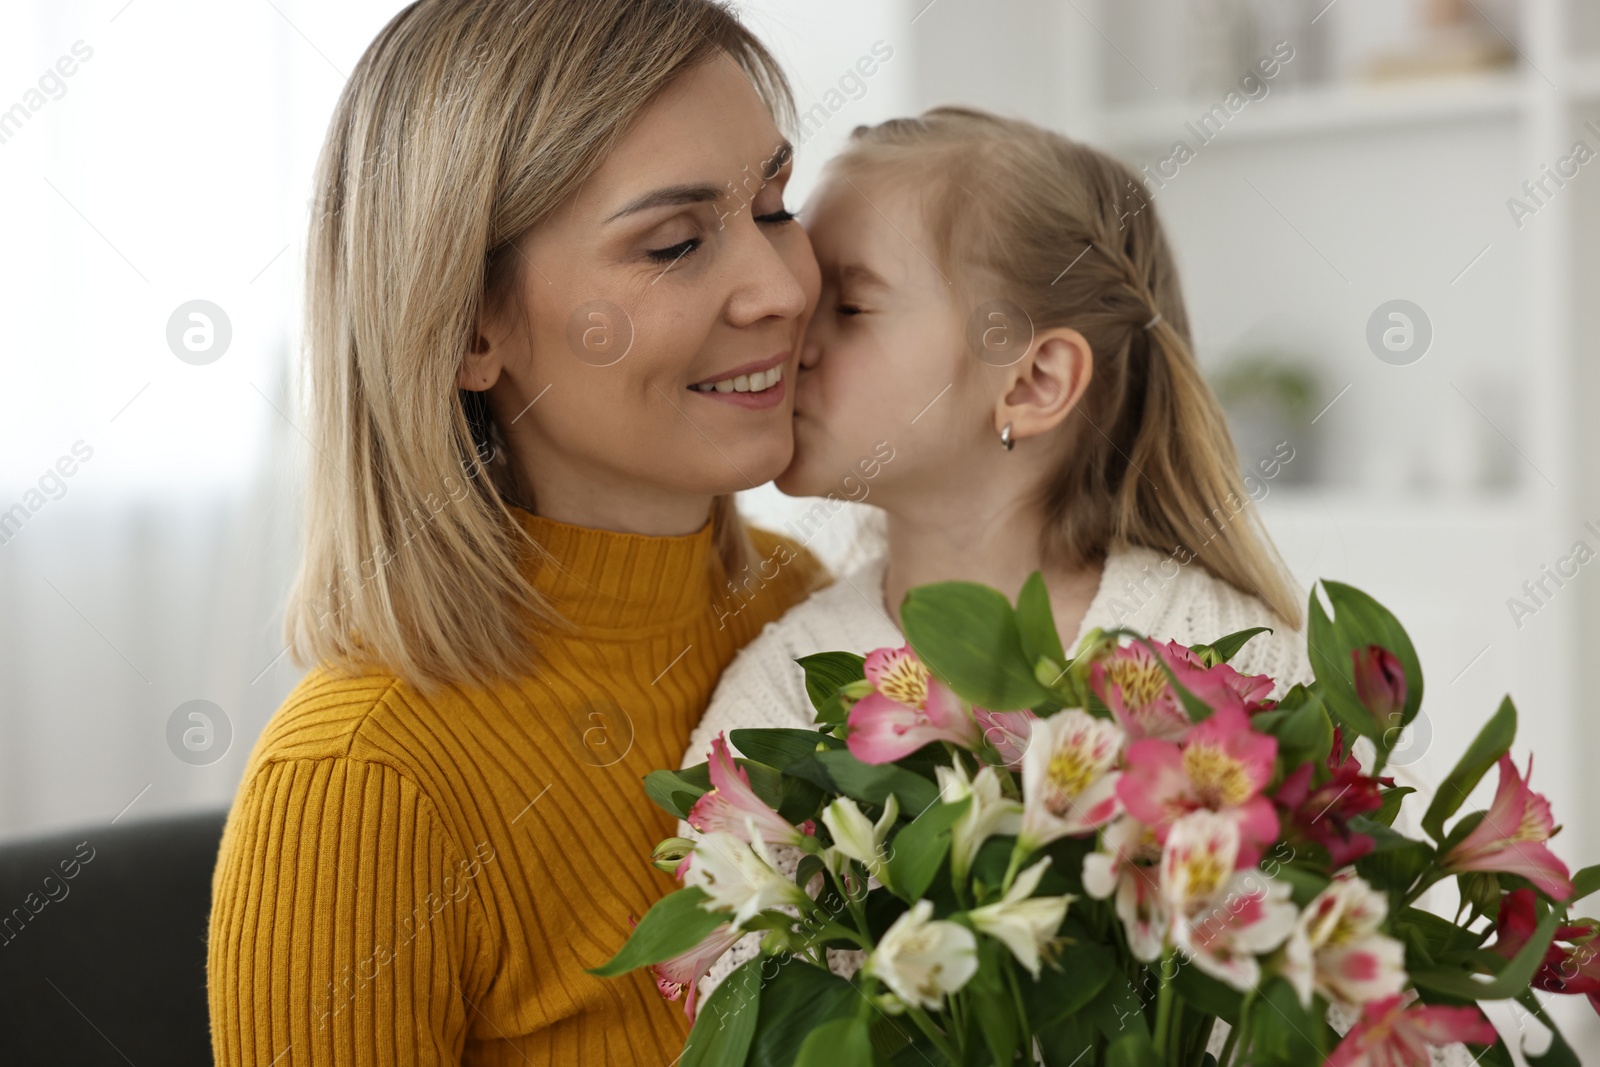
{"x": 682, "y": 249}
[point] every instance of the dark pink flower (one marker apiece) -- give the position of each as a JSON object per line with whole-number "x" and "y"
{"x": 1511, "y": 838}
{"x": 1380, "y": 683}
{"x": 907, "y": 708}
{"x": 1391, "y": 1034}
{"x": 1131, "y": 682}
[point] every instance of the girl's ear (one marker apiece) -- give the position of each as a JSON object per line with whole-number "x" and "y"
{"x": 1046, "y": 383}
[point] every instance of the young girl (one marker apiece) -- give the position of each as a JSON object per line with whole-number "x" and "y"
{"x": 1002, "y": 357}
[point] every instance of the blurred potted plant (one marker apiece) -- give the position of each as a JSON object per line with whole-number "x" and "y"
{"x": 1269, "y": 395}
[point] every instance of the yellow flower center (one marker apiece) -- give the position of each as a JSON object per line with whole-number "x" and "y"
{"x": 1220, "y": 780}
{"x": 1140, "y": 680}
{"x": 906, "y": 682}
{"x": 1205, "y": 874}
{"x": 1071, "y": 771}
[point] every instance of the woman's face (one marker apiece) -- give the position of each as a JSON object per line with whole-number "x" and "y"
{"x": 884, "y": 367}
{"x": 663, "y": 308}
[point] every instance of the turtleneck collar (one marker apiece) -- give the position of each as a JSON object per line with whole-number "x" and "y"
{"x": 603, "y": 580}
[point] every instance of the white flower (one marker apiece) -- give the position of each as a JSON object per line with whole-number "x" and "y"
{"x": 739, "y": 877}
{"x": 855, "y": 837}
{"x": 1069, "y": 784}
{"x": 1124, "y": 866}
{"x": 1026, "y": 924}
{"x": 989, "y": 814}
{"x": 1221, "y": 918}
{"x": 1336, "y": 948}
{"x": 922, "y": 959}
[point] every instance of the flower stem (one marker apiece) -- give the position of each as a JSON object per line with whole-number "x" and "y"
{"x": 1164, "y": 1003}
{"x": 1022, "y": 1012}
{"x": 940, "y": 1041}
{"x": 1017, "y": 856}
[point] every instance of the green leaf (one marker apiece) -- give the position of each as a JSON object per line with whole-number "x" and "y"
{"x": 968, "y": 636}
{"x": 1395, "y": 861}
{"x": 1559, "y": 1054}
{"x": 1511, "y": 979}
{"x": 992, "y": 1004}
{"x": 673, "y": 925}
{"x": 796, "y": 1000}
{"x": 1036, "y": 622}
{"x": 840, "y": 1043}
{"x": 1225, "y": 648}
{"x": 1132, "y": 1050}
{"x": 727, "y": 1020}
{"x": 676, "y": 791}
{"x": 871, "y": 783}
{"x": 1390, "y": 806}
{"x": 917, "y": 849}
{"x": 1492, "y": 742}
{"x": 780, "y": 747}
{"x": 1439, "y": 936}
{"x": 1358, "y": 621}
{"x": 1305, "y": 734}
{"x": 1283, "y": 1034}
{"x": 1209, "y": 995}
{"x": 826, "y": 673}
{"x": 1584, "y": 882}
{"x": 1063, "y": 990}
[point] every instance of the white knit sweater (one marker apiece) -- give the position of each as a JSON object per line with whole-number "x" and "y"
{"x": 1140, "y": 588}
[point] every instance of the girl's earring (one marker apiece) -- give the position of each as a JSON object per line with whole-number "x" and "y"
{"x": 1005, "y": 438}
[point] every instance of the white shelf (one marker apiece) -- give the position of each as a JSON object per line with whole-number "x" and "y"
{"x": 1357, "y": 107}
{"x": 1449, "y": 509}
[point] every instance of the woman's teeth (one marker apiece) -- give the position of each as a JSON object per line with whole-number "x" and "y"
{"x": 744, "y": 383}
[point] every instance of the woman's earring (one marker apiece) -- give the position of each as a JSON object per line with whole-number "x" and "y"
{"x": 1005, "y": 438}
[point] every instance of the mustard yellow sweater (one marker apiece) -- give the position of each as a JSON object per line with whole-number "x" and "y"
{"x": 410, "y": 881}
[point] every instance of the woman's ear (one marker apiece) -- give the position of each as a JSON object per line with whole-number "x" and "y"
{"x": 1046, "y": 383}
{"x": 481, "y": 366}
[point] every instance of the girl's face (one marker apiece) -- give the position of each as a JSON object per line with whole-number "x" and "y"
{"x": 884, "y": 366}
{"x": 662, "y": 311}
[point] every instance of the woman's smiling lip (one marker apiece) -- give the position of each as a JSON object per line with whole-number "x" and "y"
{"x": 747, "y": 369}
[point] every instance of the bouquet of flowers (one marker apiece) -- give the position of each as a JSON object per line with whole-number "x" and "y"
{"x": 1094, "y": 860}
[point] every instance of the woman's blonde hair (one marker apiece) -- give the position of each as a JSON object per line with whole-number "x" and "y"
{"x": 1069, "y": 235}
{"x": 465, "y": 123}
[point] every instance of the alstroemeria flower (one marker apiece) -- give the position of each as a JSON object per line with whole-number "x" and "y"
{"x": 738, "y": 875}
{"x": 1571, "y": 968}
{"x": 1323, "y": 814}
{"x": 1132, "y": 684}
{"x": 1222, "y": 918}
{"x": 1380, "y": 683}
{"x": 1069, "y": 777}
{"x": 680, "y": 976}
{"x": 1390, "y": 1034}
{"x": 855, "y": 836}
{"x": 1336, "y": 949}
{"x": 1221, "y": 766}
{"x": 1512, "y": 836}
{"x": 1007, "y": 732}
{"x": 921, "y": 959}
{"x": 908, "y": 708}
{"x": 1127, "y": 864}
{"x": 990, "y": 812}
{"x": 1024, "y": 923}
{"x": 731, "y": 804}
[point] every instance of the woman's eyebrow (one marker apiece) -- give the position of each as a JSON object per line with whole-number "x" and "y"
{"x": 862, "y": 275}
{"x": 671, "y": 196}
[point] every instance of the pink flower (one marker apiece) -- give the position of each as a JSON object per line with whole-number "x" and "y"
{"x": 1380, "y": 683}
{"x": 1132, "y": 684}
{"x": 1337, "y": 948}
{"x": 908, "y": 708}
{"x": 1221, "y": 766}
{"x": 1007, "y": 732}
{"x": 1069, "y": 777}
{"x": 1390, "y": 1034}
{"x": 680, "y": 976}
{"x": 731, "y": 802}
{"x": 1512, "y": 836}
{"x": 1223, "y": 918}
{"x": 1322, "y": 814}
{"x": 1125, "y": 866}
{"x": 1573, "y": 968}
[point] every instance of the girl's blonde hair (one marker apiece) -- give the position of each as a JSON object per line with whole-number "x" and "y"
{"x": 465, "y": 123}
{"x": 1025, "y": 215}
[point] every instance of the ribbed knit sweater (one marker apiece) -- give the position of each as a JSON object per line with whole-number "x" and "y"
{"x": 423, "y": 881}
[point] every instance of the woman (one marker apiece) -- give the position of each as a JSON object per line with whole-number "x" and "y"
{"x": 554, "y": 301}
